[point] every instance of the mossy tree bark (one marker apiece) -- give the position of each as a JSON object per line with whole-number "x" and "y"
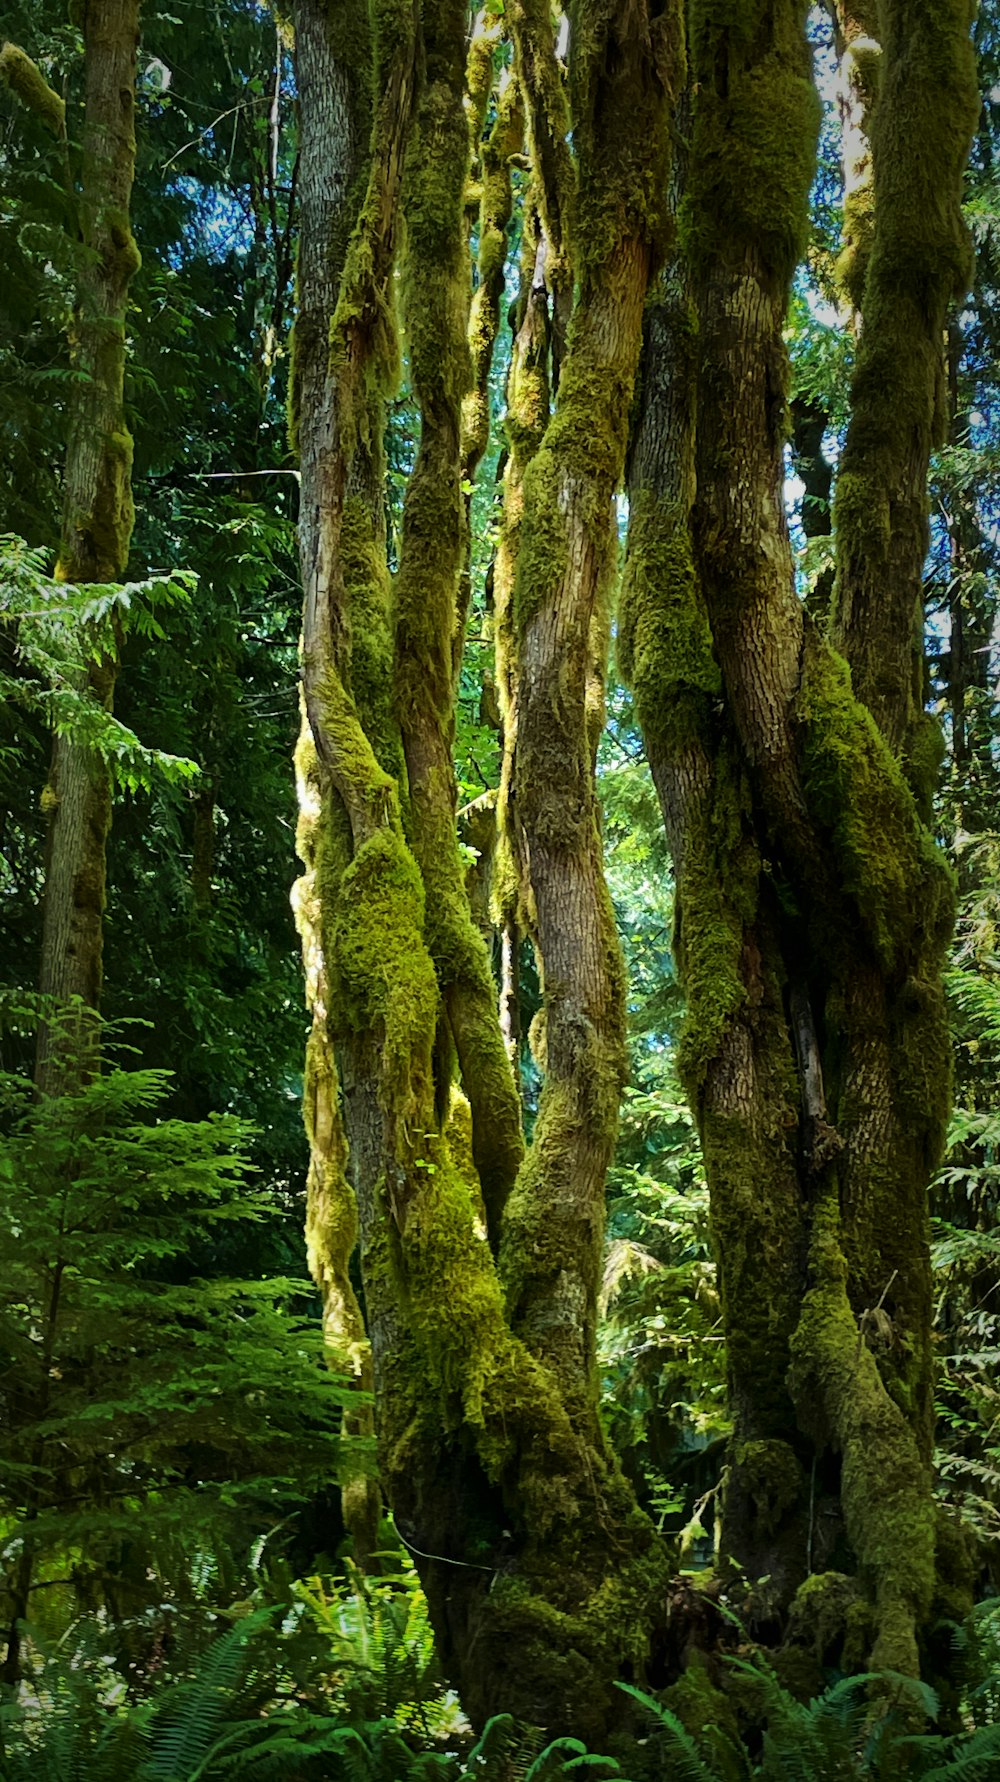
{"x": 332, "y": 46}
{"x": 96, "y": 532}
{"x": 813, "y": 907}
{"x": 543, "y": 1578}
{"x": 97, "y": 528}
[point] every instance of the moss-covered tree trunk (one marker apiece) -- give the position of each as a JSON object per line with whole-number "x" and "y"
{"x": 479, "y": 1270}
{"x": 97, "y": 526}
{"x": 795, "y": 772}
{"x": 332, "y": 163}
{"x": 96, "y": 531}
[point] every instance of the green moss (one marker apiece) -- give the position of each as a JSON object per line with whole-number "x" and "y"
{"x": 751, "y": 1164}
{"x": 861, "y": 76}
{"x": 831, "y": 1617}
{"x": 366, "y": 587}
{"x": 756, "y": 119}
{"x": 495, "y": 210}
{"x": 26, "y": 80}
{"x": 113, "y": 515}
{"x": 623, "y": 84}
{"x": 348, "y": 48}
{"x": 718, "y": 901}
{"x": 121, "y": 257}
{"x": 384, "y": 974}
{"x": 923, "y": 757}
{"x": 885, "y": 1486}
{"x": 921, "y": 127}
{"x": 699, "y": 1704}
{"x": 664, "y": 639}
{"x": 435, "y": 276}
{"x": 956, "y": 1559}
{"x": 888, "y": 864}
{"x": 479, "y": 76}
{"x": 363, "y": 337}
{"x": 436, "y": 298}
{"x": 773, "y": 1479}
{"x": 549, "y": 131}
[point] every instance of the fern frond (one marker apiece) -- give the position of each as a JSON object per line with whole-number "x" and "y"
{"x": 974, "y": 1759}
{"x": 190, "y": 1718}
{"x": 688, "y": 1762}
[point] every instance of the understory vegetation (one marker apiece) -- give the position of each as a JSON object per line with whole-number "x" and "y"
{"x": 499, "y": 1124}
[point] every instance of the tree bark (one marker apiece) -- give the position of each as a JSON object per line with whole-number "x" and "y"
{"x": 336, "y": 118}
{"x": 97, "y": 528}
{"x": 813, "y": 911}
{"x": 491, "y": 1451}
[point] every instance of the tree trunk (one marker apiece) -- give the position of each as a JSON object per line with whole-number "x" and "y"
{"x": 97, "y": 528}
{"x": 813, "y": 909}
{"x": 331, "y": 171}
{"x": 492, "y": 1454}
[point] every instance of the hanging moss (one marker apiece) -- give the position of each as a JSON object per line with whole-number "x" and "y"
{"x": 26, "y": 80}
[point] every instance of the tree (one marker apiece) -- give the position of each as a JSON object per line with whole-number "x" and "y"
{"x": 796, "y": 766}
{"x": 148, "y": 1412}
{"x": 598, "y": 223}
{"x": 480, "y": 1271}
{"x": 97, "y": 494}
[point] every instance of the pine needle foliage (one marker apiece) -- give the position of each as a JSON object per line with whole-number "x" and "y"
{"x": 147, "y": 1402}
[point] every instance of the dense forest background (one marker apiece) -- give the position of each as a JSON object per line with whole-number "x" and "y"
{"x": 187, "y": 1582}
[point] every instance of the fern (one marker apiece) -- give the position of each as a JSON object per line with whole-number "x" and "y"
{"x": 59, "y": 628}
{"x": 188, "y": 1722}
{"x": 688, "y": 1763}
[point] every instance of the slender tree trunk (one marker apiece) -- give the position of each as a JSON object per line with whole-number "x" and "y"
{"x": 97, "y": 528}
{"x": 336, "y": 112}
